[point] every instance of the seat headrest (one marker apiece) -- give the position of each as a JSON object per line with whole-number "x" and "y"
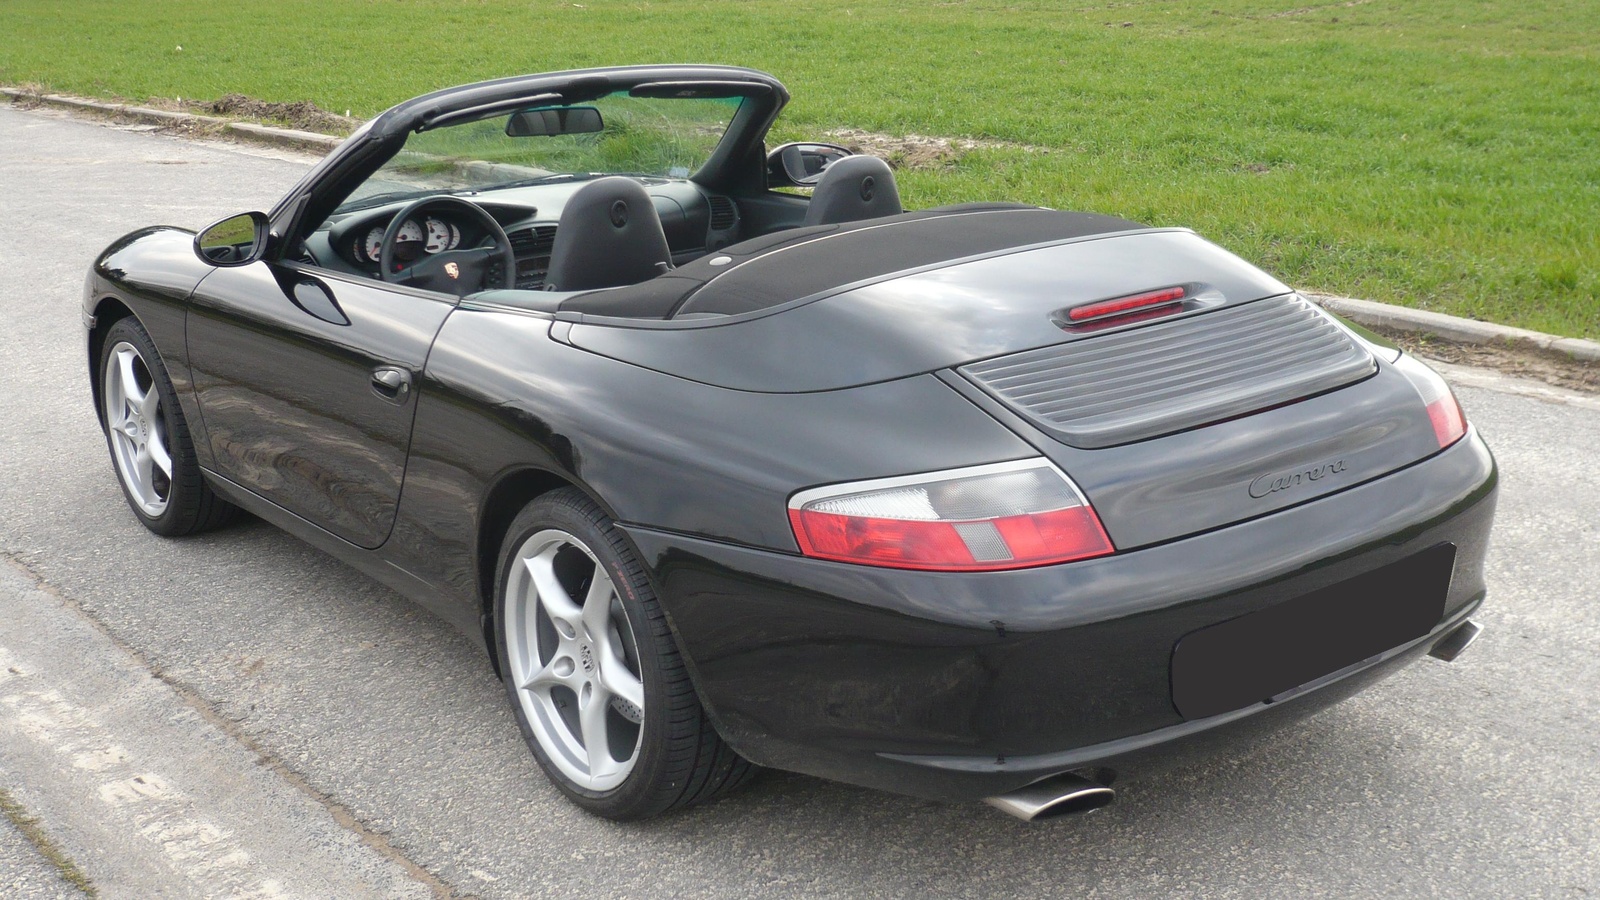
{"x": 609, "y": 235}
{"x": 854, "y": 188}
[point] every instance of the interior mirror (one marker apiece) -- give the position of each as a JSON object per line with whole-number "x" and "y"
{"x": 235, "y": 241}
{"x": 555, "y": 120}
{"x": 800, "y": 164}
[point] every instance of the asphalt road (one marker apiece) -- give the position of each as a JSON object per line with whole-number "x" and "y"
{"x": 343, "y": 713}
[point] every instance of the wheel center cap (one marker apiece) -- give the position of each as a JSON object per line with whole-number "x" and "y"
{"x": 586, "y": 655}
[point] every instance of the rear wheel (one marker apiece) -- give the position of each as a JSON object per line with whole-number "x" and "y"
{"x": 149, "y": 440}
{"x": 593, "y": 673}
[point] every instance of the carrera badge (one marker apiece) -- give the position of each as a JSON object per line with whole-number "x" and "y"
{"x": 453, "y": 270}
{"x": 1273, "y": 482}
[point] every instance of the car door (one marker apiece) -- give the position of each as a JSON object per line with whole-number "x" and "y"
{"x": 304, "y": 379}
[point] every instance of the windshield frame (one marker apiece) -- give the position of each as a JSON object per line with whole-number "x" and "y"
{"x": 473, "y": 151}
{"x": 736, "y": 168}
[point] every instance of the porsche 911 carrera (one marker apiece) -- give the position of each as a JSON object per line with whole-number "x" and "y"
{"x": 729, "y": 460}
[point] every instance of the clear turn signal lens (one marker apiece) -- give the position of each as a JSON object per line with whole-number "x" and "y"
{"x": 1002, "y": 516}
{"x": 1449, "y": 423}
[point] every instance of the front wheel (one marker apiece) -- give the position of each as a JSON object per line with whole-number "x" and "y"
{"x": 149, "y": 440}
{"x": 594, "y": 676}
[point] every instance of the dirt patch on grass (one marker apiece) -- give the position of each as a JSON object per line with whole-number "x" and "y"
{"x": 29, "y": 98}
{"x": 302, "y": 115}
{"x": 1550, "y": 367}
{"x": 1291, "y": 13}
{"x": 919, "y": 151}
{"x": 1257, "y": 168}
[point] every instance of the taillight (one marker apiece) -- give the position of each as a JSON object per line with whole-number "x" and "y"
{"x": 1449, "y": 423}
{"x": 1001, "y": 516}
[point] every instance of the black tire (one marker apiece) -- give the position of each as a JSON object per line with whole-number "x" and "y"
{"x": 187, "y": 505}
{"x": 680, "y": 759}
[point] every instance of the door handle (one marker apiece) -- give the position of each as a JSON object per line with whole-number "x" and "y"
{"x": 391, "y": 383}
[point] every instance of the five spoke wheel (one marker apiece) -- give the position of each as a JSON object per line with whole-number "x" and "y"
{"x": 151, "y": 448}
{"x": 574, "y": 660}
{"x": 598, "y": 686}
{"x": 137, "y": 425}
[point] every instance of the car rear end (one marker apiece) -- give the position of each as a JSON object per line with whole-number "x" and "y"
{"x": 960, "y": 685}
{"x": 1237, "y": 510}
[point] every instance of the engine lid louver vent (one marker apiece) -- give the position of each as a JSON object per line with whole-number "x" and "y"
{"x": 723, "y": 213}
{"x": 1159, "y": 379}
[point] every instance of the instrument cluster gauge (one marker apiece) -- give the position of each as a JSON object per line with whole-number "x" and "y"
{"x": 373, "y": 243}
{"x": 409, "y": 235}
{"x": 410, "y": 232}
{"x": 442, "y": 235}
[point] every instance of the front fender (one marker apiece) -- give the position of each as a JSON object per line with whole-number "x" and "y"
{"x": 149, "y": 274}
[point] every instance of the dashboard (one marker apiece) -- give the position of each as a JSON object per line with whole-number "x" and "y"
{"x": 695, "y": 222}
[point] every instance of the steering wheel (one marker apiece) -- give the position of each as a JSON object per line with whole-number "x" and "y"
{"x": 459, "y": 272}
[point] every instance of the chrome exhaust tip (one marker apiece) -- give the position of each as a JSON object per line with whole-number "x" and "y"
{"x": 1453, "y": 644}
{"x": 1059, "y": 795}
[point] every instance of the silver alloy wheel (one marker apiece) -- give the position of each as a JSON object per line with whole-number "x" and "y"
{"x": 137, "y": 425}
{"x": 574, "y": 661}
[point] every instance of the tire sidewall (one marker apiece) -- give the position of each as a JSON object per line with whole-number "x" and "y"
{"x": 564, "y": 509}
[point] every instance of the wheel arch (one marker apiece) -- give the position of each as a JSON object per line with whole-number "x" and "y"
{"x": 108, "y": 311}
{"x": 510, "y": 492}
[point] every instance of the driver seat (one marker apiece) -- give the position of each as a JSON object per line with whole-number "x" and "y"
{"x": 852, "y": 189}
{"x": 609, "y": 235}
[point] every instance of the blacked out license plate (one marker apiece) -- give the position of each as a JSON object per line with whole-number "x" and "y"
{"x": 1260, "y": 655}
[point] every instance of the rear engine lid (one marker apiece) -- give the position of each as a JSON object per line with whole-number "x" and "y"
{"x": 1190, "y": 423}
{"x": 1178, "y": 374}
{"x": 1287, "y": 451}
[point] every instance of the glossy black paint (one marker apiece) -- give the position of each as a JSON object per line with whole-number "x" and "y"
{"x": 677, "y": 455}
{"x": 288, "y": 398}
{"x": 693, "y": 438}
{"x": 151, "y": 272}
{"x": 846, "y": 671}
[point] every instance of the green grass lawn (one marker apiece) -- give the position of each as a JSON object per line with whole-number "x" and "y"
{"x": 1434, "y": 153}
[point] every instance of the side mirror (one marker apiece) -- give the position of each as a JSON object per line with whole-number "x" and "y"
{"x": 235, "y": 241}
{"x": 557, "y": 120}
{"x": 800, "y": 164}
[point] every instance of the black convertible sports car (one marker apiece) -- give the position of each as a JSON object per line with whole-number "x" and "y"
{"x": 985, "y": 501}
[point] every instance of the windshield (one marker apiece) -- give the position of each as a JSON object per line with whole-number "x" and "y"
{"x": 630, "y": 136}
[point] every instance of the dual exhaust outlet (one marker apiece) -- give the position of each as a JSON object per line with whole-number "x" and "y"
{"x": 1067, "y": 794}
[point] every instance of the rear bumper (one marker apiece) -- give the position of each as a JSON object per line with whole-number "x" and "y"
{"x": 1188, "y": 741}
{"x": 960, "y": 686}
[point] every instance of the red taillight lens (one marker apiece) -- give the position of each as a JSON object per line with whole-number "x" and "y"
{"x": 985, "y": 518}
{"x": 1120, "y": 305}
{"x": 1449, "y": 423}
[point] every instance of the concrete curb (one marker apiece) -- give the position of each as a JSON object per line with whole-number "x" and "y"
{"x": 1451, "y": 329}
{"x": 1454, "y": 329}
{"x": 289, "y": 137}
{"x": 251, "y": 131}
